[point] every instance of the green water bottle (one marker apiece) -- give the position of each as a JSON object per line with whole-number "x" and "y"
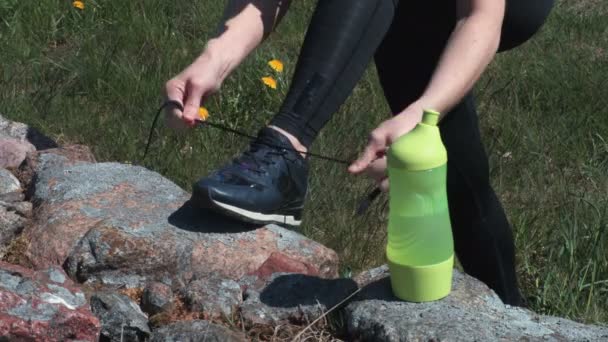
{"x": 420, "y": 248}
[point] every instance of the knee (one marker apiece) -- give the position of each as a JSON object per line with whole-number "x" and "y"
{"x": 523, "y": 19}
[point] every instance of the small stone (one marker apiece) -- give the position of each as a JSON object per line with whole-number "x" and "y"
{"x": 23, "y": 133}
{"x": 11, "y": 224}
{"x": 121, "y": 319}
{"x": 56, "y": 276}
{"x": 8, "y": 182}
{"x": 13, "y": 152}
{"x": 195, "y": 331}
{"x": 157, "y": 297}
{"x": 22, "y": 208}
{"x": 213, "y": 296}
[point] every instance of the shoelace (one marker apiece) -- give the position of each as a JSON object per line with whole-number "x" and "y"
{"x": 250, "y": 162}
{"x": 363, "y": 205}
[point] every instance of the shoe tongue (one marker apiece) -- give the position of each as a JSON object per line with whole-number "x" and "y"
{"x": 273, "y": 138}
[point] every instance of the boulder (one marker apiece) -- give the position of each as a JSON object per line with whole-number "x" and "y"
{"x": 121, "y": 318}
{"x": 195, "y": 331}
{"x": 472, "y": 312}
{"x": 43, "y": 306}
{"x": 124, "y": 225}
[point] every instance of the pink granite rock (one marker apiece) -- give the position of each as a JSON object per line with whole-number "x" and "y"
{"x": 43, "y": 306}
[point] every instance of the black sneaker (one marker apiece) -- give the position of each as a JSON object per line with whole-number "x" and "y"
{"x": 265, "y": 184}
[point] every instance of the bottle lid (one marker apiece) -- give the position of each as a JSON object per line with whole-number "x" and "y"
{"x": 430, "y": 117}
{"x": 421, "y": 148}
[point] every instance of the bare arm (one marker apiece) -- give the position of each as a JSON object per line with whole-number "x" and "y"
{"x": 472, "y": 45}
{"x": 470, "y": 49}
{"x": 244, "y": 26}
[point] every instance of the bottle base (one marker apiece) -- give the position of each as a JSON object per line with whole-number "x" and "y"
{"x": 421, "y": 283}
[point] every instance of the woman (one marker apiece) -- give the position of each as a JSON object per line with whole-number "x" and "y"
{"x": 428, "y": 54}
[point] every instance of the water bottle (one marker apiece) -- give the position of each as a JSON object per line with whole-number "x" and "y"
{"x": 420, "y": 248}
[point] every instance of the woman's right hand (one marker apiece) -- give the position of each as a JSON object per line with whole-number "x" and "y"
{"x": 191, "y": 88}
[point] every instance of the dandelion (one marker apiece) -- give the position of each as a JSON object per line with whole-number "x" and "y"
{"x": 203, "y": 113}
{"x": 270, "y": 82}
{"x": 276, "y": 65}
{"x": 78, "y": 4}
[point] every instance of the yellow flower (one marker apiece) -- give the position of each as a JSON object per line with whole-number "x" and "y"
{"x": 78, "y": 4}
{"x": 203, "y": 113}
{"x": 270, "y": 82}
{"x": 276, "y": 65}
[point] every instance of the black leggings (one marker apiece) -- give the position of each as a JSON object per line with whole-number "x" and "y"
{"x": 406, "y": 40}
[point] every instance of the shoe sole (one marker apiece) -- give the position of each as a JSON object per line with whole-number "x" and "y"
{"x": 204, "y": 200}
{"x": 258, "y": 217}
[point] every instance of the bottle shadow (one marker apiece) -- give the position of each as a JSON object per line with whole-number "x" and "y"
{"x": 294, "y": 290}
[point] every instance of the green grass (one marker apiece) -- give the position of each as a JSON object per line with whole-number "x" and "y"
{"x": 95, "y": 77}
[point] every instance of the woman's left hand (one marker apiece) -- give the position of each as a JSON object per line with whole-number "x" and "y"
{"x": 372, "y": 161}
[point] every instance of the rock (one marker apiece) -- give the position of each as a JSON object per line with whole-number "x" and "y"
{"x": 14, "y": 216}
{"x": 121, "y": 319}
{"x": 113, "y": 223}
{"x": 12, "y": 197}
{"x": 294, "y": 298}
{"x": 8, "y": 182}
{"x": 22, "y": 208}
{"x": 472, "y": 312}
{"x": 25, "y": 134}
{"x": 14, "y": 212}
{"x": 43, "y": 306}
{"x": 157, "y": 297}
{"x": 11, "y": 223}
{"x": 195, "y": 331}
{"x": 13, "y": 152}
{"x": 55, "y": 157}
{"x": 213, "y": 296}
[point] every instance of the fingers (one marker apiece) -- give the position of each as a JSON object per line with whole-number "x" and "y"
{"x": 174, "y": 90}
{"x": 384, "y": 184}
{"x": 376, "y": 170}
{"x": 374, "y": 149}
{"x": 195, "y": 89}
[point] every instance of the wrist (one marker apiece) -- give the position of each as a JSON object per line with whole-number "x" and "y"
{"x": 222, "y": 56}
{"x": 412, "y": 113}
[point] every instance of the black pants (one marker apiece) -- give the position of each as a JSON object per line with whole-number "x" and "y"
{"x": 406, "y": 40}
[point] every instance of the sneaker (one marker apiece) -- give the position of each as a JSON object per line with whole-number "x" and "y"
{"x": 265, "y": 184}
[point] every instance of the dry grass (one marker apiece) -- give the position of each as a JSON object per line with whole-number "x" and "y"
{"x": 15, "y": 252}
{"x": 134, "y": 293}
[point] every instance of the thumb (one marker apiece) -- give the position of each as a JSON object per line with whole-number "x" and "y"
{"x": 374, "y": 147}
{"x": 194, "y": 95}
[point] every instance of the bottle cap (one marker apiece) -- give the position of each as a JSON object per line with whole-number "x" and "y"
{"x": 430, "y": 117}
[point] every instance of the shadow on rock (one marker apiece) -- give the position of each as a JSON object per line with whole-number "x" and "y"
{"x": 294, "y": 290}
{"x": 192, "y": 218}
{"x": 39, "y": 140}
{"x": 378, "y": 289}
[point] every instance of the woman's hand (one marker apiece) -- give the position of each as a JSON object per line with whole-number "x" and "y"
{"x": 372, "y": 161}
{"x": 191, "y": 88}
